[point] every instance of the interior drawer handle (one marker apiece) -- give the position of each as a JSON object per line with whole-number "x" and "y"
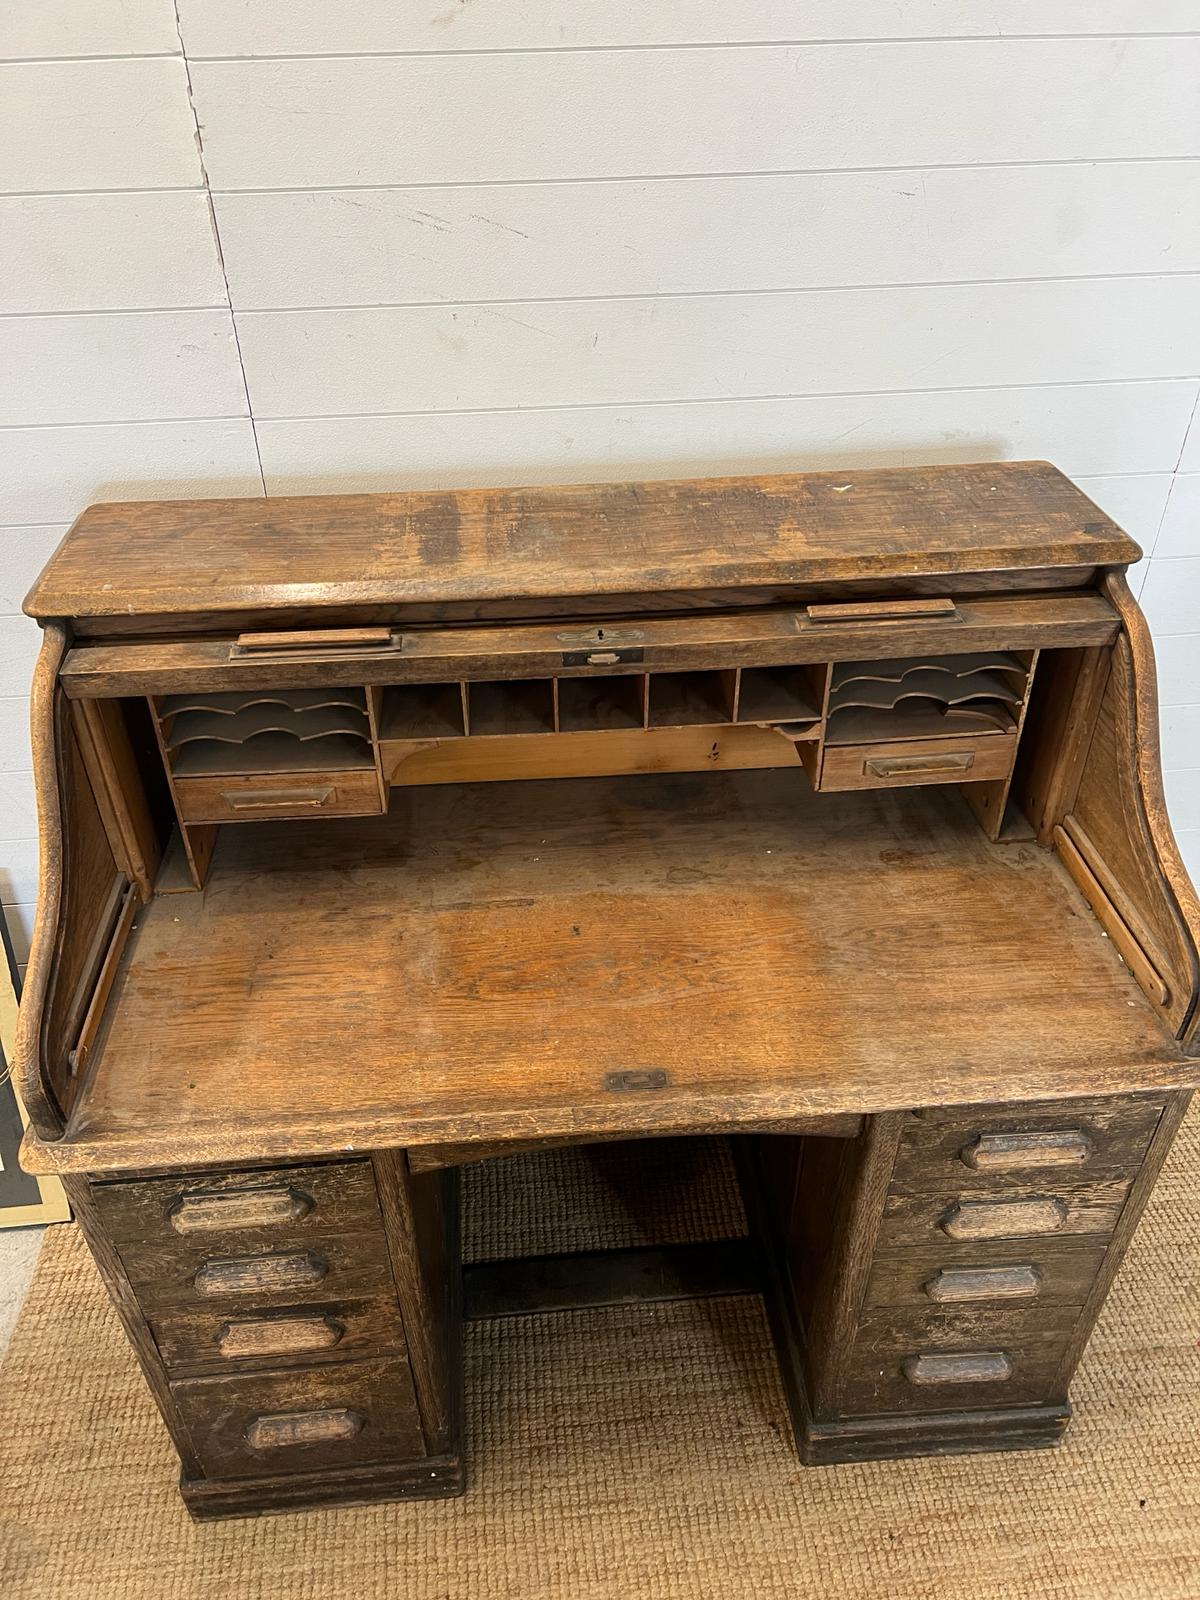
{"x": 953, "y": 1285}
{"x": 277, "y": 799}
{"x": 897, "y": 766}
{"x": 260, "y": 1274}
{"x": 278, "y": 1336}
{"x": 972, "y": 1366}
{"x": 218, "y": 1210}
{"x": 1003, "y": 1219}
{"x": 882, "y": 610}
{"x": 1006, "y": 1152}
{"x": 289, "y": 1428}
{"x": 316, "y": 642}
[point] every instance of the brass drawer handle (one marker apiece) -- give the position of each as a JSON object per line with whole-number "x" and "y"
{"x": 278, "y": 799}
{"x": 953, "y": 1285}
{"x": 1006, "y": 1152}
{"x": 898, "y": 766}
{"x": 972, "y": 1366}
{"x": 278, "y": 1336}
{"x": 260, "y": 1274}
{"x": 217, "y": 1210}
{"x": 1003, "y": 1219}
{"x": 286, "y": 1429}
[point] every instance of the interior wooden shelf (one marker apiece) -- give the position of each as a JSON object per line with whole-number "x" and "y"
{"x": 251, "y": 722}
{"x": 917, "y": 719}
{"x": 423, "y": 711}
{"x": 273, "y": 751}
{"x": 874, "y": 702}
{"x": 519, "y": 705}
{"x": 586, "y": 705}
{"x": 229, "y": 703}
{"x": 897, "y": 669}
{"x": 263, "y": 731}
{"x": 731, "y": 930}
{"x": 778, "y": 694}
{"x": 691, "y": 699}
{"x": 929, "y": 683}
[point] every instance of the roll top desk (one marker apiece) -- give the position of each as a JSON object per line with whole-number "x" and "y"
{"x": 386, "y": 834}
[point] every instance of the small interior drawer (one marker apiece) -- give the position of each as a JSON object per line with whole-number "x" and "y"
{"x": 903, "y": 763}
{"x": 272, "y": 796}
{"x": 216, "y": 1212}
{"x": 345, "y": 1415}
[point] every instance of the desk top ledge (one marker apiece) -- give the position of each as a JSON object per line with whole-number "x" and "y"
{"x": 480, "y": 545}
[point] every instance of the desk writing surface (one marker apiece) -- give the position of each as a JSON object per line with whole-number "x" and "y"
{"x": 475, "y": 964}
{"x": 481, "y": 545}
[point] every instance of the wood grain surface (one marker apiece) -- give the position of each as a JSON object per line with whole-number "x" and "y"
{"x": 477, "y": 545}
{"x": 769, "y": 953}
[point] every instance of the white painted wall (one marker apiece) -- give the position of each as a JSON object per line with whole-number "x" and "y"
{"x": 366, "y": 246}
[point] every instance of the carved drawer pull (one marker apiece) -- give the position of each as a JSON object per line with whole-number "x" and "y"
{"x": 260, "y": 1274}
{"x": 972, "y": 1366}
{"x": 952, "y": 1285}
{"x": 277, "y": 799}
{"x": 278, "y": 1336}
{"x": 289, "y": 1428}
{"x": 219, "y": 1210}
{"x": 1006, "y": 1152}
{"x": 898, "y": 766}
{"x": 1003, "y": 1219}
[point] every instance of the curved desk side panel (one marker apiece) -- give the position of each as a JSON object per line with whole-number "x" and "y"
{"x": 1115, "y": 835}
{"x": 47, "y": 1092}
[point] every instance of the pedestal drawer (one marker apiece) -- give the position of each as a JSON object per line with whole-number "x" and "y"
{"x": 345, "y": 1266}
{"x": 1039, "y": 1142}
{"x": 957, "y": 1360}
{"x": 304, "y": 1420}
{"x": 1001, "y": 1276}
{"x": 974, "y": 1215}
{"x": 196, "y": 1339}
{"x": 226, "y": 1212}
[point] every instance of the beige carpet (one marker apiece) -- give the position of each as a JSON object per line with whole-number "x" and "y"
{"x": 635, "y": 1452}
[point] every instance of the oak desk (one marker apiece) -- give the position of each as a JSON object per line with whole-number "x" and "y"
{"x": 387, "y": 833}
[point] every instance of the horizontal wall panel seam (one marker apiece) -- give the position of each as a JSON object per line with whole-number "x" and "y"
{"x": 848, "y": 43}
{"x": 615, "y": 177}
{"x": 647, "y": 294}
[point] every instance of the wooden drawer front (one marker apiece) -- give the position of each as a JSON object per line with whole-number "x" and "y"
{"x": 195, "y": 1338}
{"x": 259, "y": 1274}
{"x": 271, "y": 796}
{"x": 956, "y": 1360}
{"x": 1040, "y": 1143}
{"x": 997, "y": 1276}
{"x": 230, "y": 1212}
{"x": 978, "y": 1215}
{"x": 310, "y": 1418}
{"x": 904, "y": 763}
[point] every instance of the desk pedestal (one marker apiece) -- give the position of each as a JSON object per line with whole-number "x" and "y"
{"x": 932, "y": 1284}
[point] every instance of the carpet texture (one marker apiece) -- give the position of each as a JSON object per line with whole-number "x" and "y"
{"x": 634, "y": 1452}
